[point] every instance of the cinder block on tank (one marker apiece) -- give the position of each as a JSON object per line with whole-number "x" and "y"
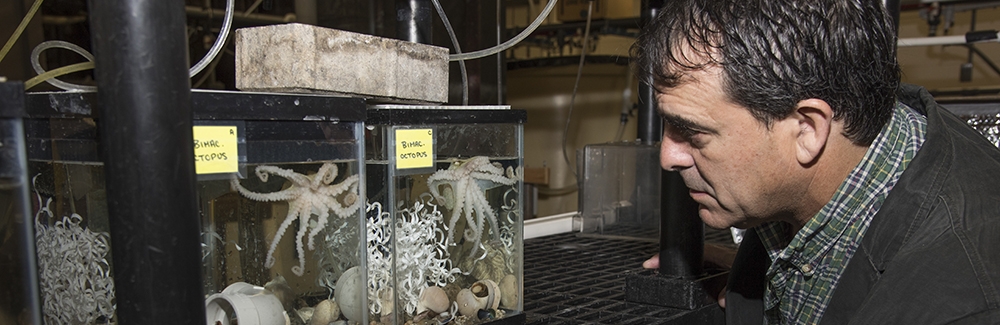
{"x": 311, "y": 59}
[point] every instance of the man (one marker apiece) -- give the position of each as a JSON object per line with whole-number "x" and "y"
{"x": 862, "y": 206}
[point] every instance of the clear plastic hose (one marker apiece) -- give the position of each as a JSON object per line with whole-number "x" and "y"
{"x": 49, "y": 77}
{"x": 54, "y": 73}
{"x": 35, "y": 53}
{"x": 458, "y": 50}
{"x": 220, "y": 41}
{"x": 506, "y": 45}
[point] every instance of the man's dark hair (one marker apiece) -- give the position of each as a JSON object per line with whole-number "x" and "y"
{"x": 774, "y": 53}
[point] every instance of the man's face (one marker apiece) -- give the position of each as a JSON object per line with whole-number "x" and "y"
{"x": 737, "y": 169}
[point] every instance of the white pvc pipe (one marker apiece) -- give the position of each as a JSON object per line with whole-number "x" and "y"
{"x": 550, "y": 225}
{"x": 929, "y": 41}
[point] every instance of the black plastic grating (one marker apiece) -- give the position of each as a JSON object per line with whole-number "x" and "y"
{"x": 577, "y": 278}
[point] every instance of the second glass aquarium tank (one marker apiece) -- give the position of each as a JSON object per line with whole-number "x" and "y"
{"x": 444, "y": 227}
{"x": 288, "y": 216}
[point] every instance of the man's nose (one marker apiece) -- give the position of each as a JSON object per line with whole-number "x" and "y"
{"x": 675, "y": 155}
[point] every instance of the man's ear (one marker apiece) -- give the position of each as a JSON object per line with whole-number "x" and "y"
{"x": 815, "y": 120}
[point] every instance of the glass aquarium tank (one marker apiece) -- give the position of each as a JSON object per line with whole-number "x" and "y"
{"x": 280, "y": 190}
{"x": 69, "y": 209}
{"x": 20, "y": 303}
{"x": 444, "y": 227}
{"x": 288, "y": 215}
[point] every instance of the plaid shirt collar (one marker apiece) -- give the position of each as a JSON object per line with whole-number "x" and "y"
{"x": 805, "y": 270}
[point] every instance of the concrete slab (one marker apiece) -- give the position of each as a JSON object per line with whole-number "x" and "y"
{"x": 311, "y": 59}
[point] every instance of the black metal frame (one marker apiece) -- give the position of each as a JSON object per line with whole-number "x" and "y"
{"x": 274, "y": 126}
{"x": 445, "y": 116}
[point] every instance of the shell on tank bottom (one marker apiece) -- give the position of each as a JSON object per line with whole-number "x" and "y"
{"x": 348, "y": 294}
{"x": 508, "y": 292}
{"x": 325, "y": 313}
{"x": 484, "y": 294}
{"x": 433, "y": 298}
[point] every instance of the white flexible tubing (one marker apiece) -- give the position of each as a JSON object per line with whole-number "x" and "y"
{"x": 458, "y": 50}
{"x": 220, "y": 41}
{"x": 506, "y": 45}
{"x": 37, "y": 51}
{"x": 205, "y": 61}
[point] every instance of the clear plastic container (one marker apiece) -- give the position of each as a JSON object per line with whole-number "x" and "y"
{"x": 620, "y": 195}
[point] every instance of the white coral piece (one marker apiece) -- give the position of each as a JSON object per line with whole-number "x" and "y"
{"x": 421, "y": 249}
{"x": 74, "y": 273}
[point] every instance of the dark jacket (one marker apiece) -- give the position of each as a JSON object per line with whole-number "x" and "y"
{"x": 932, "y": 252}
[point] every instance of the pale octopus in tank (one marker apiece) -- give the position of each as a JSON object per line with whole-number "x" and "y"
{"x": 465, "y": 198}
{"x": 308, "y": 195}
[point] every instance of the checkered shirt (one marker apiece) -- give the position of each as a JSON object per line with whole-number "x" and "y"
{"x": 804, "y": 271}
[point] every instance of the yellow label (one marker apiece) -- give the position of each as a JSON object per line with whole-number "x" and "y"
{"x": 215, "y": 149}
{"x": 414, "y": 148}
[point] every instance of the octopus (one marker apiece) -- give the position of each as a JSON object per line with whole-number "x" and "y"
{"x": 307, "y": 196}
{"x": 465, "y": 198}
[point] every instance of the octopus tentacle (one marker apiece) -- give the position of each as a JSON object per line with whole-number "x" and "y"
{"x": 456, "y": 211}
{"x": 292, "y": 212}
{"x": 295, "y": 178}
{"x": 473, "y": 231}
{"x": 303, "y": 222}
{"x": 324, "y": 215}
{"x": 490, "y": 216}
{"x": 496, "y": 178}
{"x": 351, "y": 207}
{"x": 326, "y": 174}
{"x": 283, "y": 195}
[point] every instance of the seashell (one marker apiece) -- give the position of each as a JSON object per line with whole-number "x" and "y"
{"x": 434, "y": 299}
{"x": 508, "y": 292}
{"x": 468, "y": 303}
{"x": 325, "y": 313}
{"x": 349, "y": 294}
{"x": 489, "y": 290}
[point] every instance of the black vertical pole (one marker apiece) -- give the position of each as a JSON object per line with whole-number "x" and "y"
{"x": 682, "y": 232}
{"x": 649, "y": 127}
{"x": 414, "y": 20}
{"x": 147, "y": 147}
{"x": 892, "y": 6}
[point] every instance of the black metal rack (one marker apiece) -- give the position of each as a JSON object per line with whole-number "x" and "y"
{"x": 575, "y": 278}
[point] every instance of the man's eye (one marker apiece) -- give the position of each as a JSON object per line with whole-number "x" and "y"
{"x": 688, "y": 133}
{"x": 682, "y": 132}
